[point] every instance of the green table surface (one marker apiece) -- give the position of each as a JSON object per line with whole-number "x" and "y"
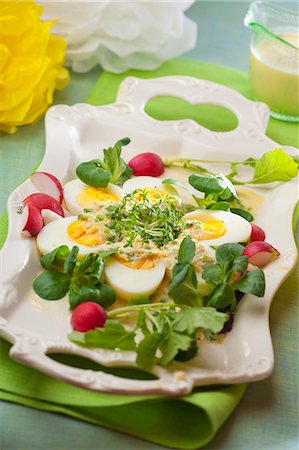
{"x": 267, "y": 417}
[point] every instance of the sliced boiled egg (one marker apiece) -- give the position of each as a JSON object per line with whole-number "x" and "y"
{"x": 79, "y": 196}
{"x": 70, "y": 231}
{"x": 133, "y": 278}
{"x": 214, "y": 227}
{"x": 152, "y": 187}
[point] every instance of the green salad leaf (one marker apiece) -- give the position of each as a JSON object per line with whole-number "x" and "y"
{"x": 112, "y": 169}
{"x": 81, "y": 279}
{"x": 275, "y": 165}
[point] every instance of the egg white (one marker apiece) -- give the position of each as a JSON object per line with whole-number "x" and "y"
{"x": 143, "y": 182}
{"x": 128, "y": 282}
{"x": 72, "y": 189}
{"x": 237, "y": 229}
{"x": 55, "y": 234}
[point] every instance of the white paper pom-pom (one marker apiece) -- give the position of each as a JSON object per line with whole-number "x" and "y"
{"x": 121, "y": 35}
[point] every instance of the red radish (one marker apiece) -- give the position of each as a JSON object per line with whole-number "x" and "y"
{"x": 48, "y": 184}
{"x": 44, "y": 201}
{"x": 147, "y": 164}
{"x": 260, "y": 253}
{"x": 33, "y": 221}
{"x": 88, "y": 316}
{"x": 257, "y": 234}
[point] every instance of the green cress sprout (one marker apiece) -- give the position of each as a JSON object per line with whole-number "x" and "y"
{"x": 161, "y": 222}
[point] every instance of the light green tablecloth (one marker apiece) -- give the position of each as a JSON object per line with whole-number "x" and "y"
{"x": 187, "y": 422}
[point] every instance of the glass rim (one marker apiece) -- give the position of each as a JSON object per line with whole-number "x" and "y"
{"x": 250, "y": 23}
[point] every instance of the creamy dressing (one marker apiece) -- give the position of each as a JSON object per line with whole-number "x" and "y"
{"x": 274, "y": 74}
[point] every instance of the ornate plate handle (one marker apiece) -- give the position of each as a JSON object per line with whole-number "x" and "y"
{"x": 252, "y": 116}
{"x": 33, "y": 352}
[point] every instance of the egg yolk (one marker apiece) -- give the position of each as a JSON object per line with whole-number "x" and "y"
{"x": 152, "y": 194}
{"x": 143, "y": 263}
{"x": 91, "y": 195}
{"x": 80, "y": 232}
{"x": 210, "y": 227}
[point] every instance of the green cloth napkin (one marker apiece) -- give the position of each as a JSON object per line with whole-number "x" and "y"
{"x": 188, "y": 422}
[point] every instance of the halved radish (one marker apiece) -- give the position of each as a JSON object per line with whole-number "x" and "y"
{"x": 44, "y": 201}
{"x": 48, "y": 184}
{"x": 32, "y": 220}
{"x": 257, "y": 234}
{"x": 260, "y": 253}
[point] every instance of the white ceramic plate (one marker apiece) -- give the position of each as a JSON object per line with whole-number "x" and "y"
{"x": 74, "y": 134}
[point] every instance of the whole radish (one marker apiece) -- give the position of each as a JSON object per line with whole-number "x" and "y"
{"x": 147, "y": 164}
{"x": 88, "y": 316}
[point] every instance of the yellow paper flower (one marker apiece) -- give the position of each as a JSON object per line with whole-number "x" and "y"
{"x": 30, "y": 64}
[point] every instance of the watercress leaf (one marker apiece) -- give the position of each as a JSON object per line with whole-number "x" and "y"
{"x": 190, "y": 353}
{"x": 124, "y": 176}
{"x": 107, "y": 295}
{"x": 228, "y": 252}
{"x": 229, "y": 191}
{"x": 249, "y": 162}
{"x": 142, "y": 323}
{"x": 123, "y": 142}
{"x": 116, "y": 165}
{"x": 104, "y": 254}
{"x": 253, "y": 282}
{"x": 212, "y": 273}
{"x": 226, "y": 195}
{"x": 112, "y": 336}
{"x": 139, "y": 300}
{"x": 174, "y": 182}
{"x": 101, "y": 293}
{"x": 224, "y": 206}
{"x": 74, "y": 297}
{"x": 71, "y": 260}
{"x": 186, "y": 250}
{"x": 223, "y": 295}
{"x": 209, "y": 184}
{"x": 93, "y": 174}
{"x": 171, "y": 344}
{"x": 89, "y": 270}
{"x": 179, "y": 272}
{"x": 275, "y": 165}
{"x": 56, "y": 258}
{"x": 183, "y": 287}
{"x": 189, "y": 320}
{"x": 240, "y": 264}
{"x": 241, "y": 212}
{"x": 202, "y": 203}
{"x": 146, "y": 351}
{"x": 52, "y": 284}
{"x": 187, "y": 207}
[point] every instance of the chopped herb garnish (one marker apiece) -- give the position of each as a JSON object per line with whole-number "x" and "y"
{"x": 159, "y": 222}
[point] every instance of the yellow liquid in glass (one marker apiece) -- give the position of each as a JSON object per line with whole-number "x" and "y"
{"x": 274, "y": 78}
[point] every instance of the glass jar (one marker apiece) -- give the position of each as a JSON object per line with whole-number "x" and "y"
{"x": 274, "y": 58}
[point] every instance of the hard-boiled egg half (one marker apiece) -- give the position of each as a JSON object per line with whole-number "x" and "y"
{"x": 79, "y": 196}
{"x": 130, "y": 279}
{"x": 214, "y": 227}
{"x": 70, "y": 231}
{"x": 152, "y": 187}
